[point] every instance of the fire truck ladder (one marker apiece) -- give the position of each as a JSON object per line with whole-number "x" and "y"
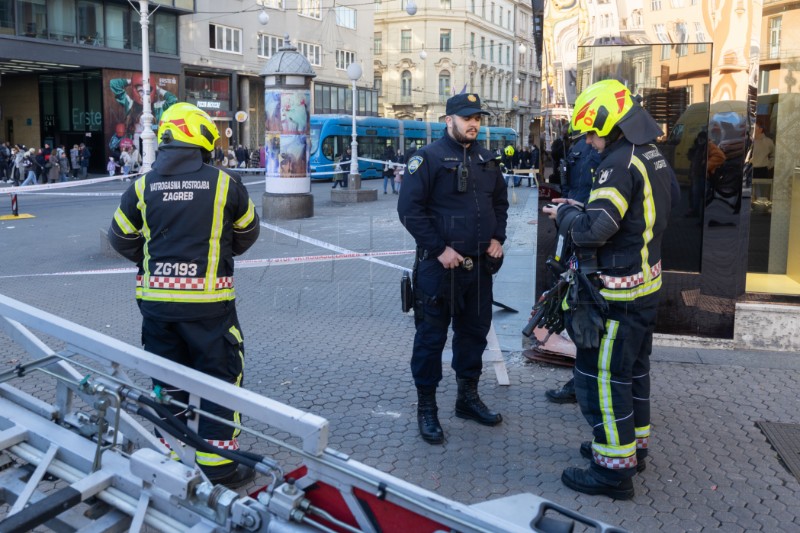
{"x": 78, "y": 453}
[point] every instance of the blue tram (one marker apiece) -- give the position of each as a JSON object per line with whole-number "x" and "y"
{"x": 331, "y": 135}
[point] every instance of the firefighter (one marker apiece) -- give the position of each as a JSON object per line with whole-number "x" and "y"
{"x": 182, "y": 223}
{"x": 618, "y": 236}
{"x": 454, "y": 202}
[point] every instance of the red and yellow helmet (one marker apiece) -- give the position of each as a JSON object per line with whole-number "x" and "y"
{"x": 600, "y": 107}
{"x": 183, "y": 124}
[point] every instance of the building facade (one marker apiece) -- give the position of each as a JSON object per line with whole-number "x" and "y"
{"x": 706, "y": 71}
{"x": 450, "y": 46}
{"x": 68, "y": 71}
{"x": 225, "y": 45}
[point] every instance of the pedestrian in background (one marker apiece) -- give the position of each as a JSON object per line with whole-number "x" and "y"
{"x": 74, "y": 159}
{"x": 388, "y": 169}
{"x": 85, "y": 156}
{"x": 111, "y": 166}
{"x": 454, "y": 203}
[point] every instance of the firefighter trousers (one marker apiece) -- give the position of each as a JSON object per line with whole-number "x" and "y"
{"x": 612, "y": 385}
{"x": 212, "y": 346}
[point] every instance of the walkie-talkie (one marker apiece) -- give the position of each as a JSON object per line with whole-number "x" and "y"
{"x": 463, "y": 177}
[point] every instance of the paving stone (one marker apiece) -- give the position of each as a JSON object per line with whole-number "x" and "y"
{"x": 328, "y": 337}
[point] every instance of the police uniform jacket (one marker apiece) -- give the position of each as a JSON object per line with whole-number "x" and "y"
{"x": 626, "y": 215}
{"x": 582, "y": 160}
{"x": 182, "y": 223}
{"x": 438, "y": 215}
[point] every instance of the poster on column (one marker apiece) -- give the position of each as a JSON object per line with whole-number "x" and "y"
{"x": 272, "y": 154}
{"x": 293, "y": 156}
{"x": 122, "y": 102}
{"x": 272, "y": 106}
{"x": 294, "y": 112}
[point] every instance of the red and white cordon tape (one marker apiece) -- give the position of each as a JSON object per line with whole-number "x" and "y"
{"x": 241, "y": 263}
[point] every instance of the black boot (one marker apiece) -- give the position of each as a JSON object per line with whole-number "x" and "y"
{"x": 239, "y": 476}
{"x": 565, "y": 394}
{"x": 470, "y": 406}
{"x": 587, "y": 482}
{"x": 429, "y": 427}
{"x": 586, "y": 453}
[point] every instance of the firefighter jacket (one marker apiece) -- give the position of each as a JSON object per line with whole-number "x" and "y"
{"x": 182, "y": 223}
{"x": 454, "y": 196}
{"x": 625, "y": 218}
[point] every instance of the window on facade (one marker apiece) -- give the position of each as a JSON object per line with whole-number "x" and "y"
{"x": 700, "y": 37}
{"x": 405, "y": 84}
{"x": 309, "y": 8}
{"x": 274, "y": 4}
{"x": 32, "y": 18}
{"x": 90, "y": 23}
{"x": 445, "y": 4}
{"x": 405, "y": 40}
{"x": 483, "y": 47}
{"x": 118, "y": 26}
{"x": 377, "y": 84}
{"x": 344, "y": 58}
{"x": 313, "y": 52}
{"x": 472, "y": 82}
{"x": 472, "y": 6}
{"x": 774, "y": 37}
{"x": 661, "y": 33}
{"x": 6, "y": 17}
{"x": 472, "y": 43}
{"x": 346, "y": 17}
{"x": 444, "y": 40}
{"x": 61, "y": 20}
{"x": 508, "y": 55}
{"x": 676, "y": 3}
{"x": 681, "y": 50}
{"x": 655, "y": 5}
{"x": 268, "y": 44}
{"x": 444, "y": 83}
{"x": 377, "y": 43}
{"x": 166, "y": 25}
{"x": 665, "y": 53}
{"x": 491, "y": 88}
{"x": 491, "y": 12}
{"x": 225, "y": 38}
{"x": 763, "y": 82}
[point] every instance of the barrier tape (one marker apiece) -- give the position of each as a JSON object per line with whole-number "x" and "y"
{"x": 28, "y": 189}
{"x": 242, "y": 263}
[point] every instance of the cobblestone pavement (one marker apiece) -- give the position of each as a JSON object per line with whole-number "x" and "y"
{"x": 329, "y": 337}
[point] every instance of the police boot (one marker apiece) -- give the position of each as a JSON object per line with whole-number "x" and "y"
{"x": 429, "y": 427}
{"x": 565, "y": 394}
{"x": 470, "y": 406}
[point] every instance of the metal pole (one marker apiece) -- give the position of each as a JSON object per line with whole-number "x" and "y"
{"x": 148, "y": 137}
{"x": 354, "y": 143}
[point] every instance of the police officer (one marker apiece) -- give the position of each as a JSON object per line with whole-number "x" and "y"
{"x": 623, "y": 223}
{"x": 454, "y": 202}
{"x": 578, "y": 174}
{"x": 182, "y": 223}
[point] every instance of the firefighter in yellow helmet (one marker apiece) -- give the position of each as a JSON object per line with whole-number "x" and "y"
{"x": 182, "y": 223}
{"x": 617, "y": 238}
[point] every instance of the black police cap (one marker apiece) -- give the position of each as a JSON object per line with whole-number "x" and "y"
{"x": 465, "y": 105}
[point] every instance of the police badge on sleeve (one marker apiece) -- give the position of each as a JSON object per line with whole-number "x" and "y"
{"x": 414, "y": 163}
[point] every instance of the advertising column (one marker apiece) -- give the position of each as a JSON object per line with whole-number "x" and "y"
{"x": 287, "y": 104}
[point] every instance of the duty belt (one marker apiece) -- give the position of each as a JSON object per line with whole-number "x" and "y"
{"x": 189, "y": 284}
{"x": 468, "y": 263}
{"x": 628, "y": 282}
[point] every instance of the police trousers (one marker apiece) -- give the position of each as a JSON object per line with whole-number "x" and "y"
{"x": 212, "y": 346}
{"x": 612, "y": 385}
{"x": 441, "y": 295}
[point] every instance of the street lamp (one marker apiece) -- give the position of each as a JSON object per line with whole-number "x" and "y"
{"x": 148, "y": 137}
{"x": 354, "y": 73}
{"x": 411, "y": 8}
